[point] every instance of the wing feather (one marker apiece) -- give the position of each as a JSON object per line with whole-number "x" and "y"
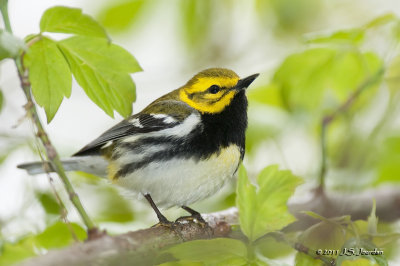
{"x": 166, "y": 114}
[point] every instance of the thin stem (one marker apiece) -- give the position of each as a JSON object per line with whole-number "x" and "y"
{"x": 323, "y": 154}
{"x": 52, "y": 156}
{"x": 327, "y": 120}
{"x": 302, "y": 248}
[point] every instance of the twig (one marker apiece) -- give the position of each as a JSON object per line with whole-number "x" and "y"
{"x": 278, "y": 236}
{"x": 52, "y": 156}
{"x": 51, "y": 153}
{"x": 63, "y": 209}
{"x": 341, "y": 109}
{"x": 313, "y": 254}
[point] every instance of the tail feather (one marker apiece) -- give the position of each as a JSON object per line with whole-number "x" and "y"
{"x": 96, "y": 165}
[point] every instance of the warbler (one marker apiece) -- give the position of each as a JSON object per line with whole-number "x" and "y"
{"x": 179, "y": 149}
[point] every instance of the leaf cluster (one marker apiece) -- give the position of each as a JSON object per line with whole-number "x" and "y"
{"x": 100, "y": 67}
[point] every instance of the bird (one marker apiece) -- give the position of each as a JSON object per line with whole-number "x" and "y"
{"x": 179, "y": 149}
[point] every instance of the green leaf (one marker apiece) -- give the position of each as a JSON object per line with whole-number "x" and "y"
{"x": 14, "y": 252}
{"x": 392, "y": 75}
{"x": 63, "y": 19}
{"x": 57, "y": 235}
{"x": 328, "y": 234}
{"x": 373, "y": 220}
{"x": 271, "y": 248}
{"x": 102, "y": 70}
{"x": 358, "y": 262}
{"x": 345, "y": 219}
{"x": 381, "y": 20}
{"x": 322, "y": 78}
{"x": 60, "y": 235}
{"x": 268, "y": 94}
{"x": 389, "y": 161}
{"x": 1, "y": 100}
{"x": 264, "y": 210}
{"x": 217, "y": 251}
{"x": 245, "y": 201}
{"x": 302, "y": 259}
{"x": 120, "y": 15}
{"x": 10, "y": 46}
{"x": 356, "y": 248}
{"x": 196, "y": 20}
{"x": 385, "y": 236}
{"x": 49, "y": 75}
{"x": 353, "y": 36}
{"x": 112, "y": 206}
{"x": 49, "y": 203}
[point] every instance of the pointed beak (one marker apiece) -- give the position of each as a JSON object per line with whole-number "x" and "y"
{"x": 244, "y": 83}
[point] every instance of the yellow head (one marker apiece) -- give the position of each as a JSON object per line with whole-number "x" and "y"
{"x": 213, "y": 89}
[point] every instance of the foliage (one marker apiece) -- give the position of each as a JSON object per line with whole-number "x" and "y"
{"x": 101, "y": 69}
{"x": 332, "y": 69}
{"x": 218, "y": 251}
{"x": 263, "y": 209}
{"x": 70, "y": 20}
{"x": 49, "y": 75}
{"x": 55, "y": 236}
{"x": 118, "y": 16}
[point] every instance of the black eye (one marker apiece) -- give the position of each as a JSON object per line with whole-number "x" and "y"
{"x": 214, "y": 89}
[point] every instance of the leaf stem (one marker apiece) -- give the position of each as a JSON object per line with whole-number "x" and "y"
{"x": 53, "y": 159}
{"x": 327, "y": 120}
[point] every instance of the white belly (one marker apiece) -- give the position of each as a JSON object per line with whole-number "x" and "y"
{"x": 178, "y": 182}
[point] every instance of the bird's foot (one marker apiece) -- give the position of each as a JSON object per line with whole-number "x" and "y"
{"x": 163, "y": 222}
{"x": 195, "y": 218}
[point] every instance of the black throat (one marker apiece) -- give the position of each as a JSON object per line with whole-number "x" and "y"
{"x": 225, "y": 128}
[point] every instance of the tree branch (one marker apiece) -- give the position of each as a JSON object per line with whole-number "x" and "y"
{"x": 139, "y": 247}
{"x": 142, "y": 246}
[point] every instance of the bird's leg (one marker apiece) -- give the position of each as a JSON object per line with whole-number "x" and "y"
{"x": 161, "y": 218}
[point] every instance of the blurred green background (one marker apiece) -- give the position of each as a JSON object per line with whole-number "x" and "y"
{"x": 312, "y": 55}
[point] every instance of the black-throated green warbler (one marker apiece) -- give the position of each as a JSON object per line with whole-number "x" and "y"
{"x": 180, "y": 149}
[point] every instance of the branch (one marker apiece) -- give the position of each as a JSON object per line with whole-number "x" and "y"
{"x": 142, "y": 246}
{"x": 327, "y": 120}
{"x": 51, "y": 153}
{"x": 139, "y": 247}
{"x": 357, "y": 205}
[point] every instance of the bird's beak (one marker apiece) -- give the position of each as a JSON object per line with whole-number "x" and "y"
{"x": 244, "y": 83}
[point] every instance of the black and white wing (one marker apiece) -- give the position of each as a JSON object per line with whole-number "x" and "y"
{"x": 167, "y": 114}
